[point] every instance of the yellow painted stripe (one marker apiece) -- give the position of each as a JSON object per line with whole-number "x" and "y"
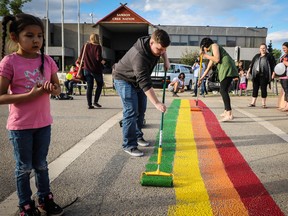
{"x": 224, "y": 198}
{"x": 191, "y": 195}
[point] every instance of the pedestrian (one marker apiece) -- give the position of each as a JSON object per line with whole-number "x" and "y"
{"x": 195, "y": 69}
{"x": 133, "y": 83}
{"x": 93, "y": 68}
{"x": 203, "y": 87}
{"x": 261, "y": 68}
{"x": 284, "y": 79}
{"x": 242, "y": 82}
{"x": 226, "y": 71}
{"x": 27, "y": 78}
{"x": 177, "y": 85}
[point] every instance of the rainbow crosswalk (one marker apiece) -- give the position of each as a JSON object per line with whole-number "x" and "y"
{"x": 211, "y": 177}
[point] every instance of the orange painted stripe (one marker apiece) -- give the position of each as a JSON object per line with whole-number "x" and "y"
{"x": 224, "y": 199}
{"x": 254, "y": 196}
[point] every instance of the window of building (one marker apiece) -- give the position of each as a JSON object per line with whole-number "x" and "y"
{"x": 214, "y": 38}
{"x": 231, "y": 42}
{"x": 222, "y": 41}
{"x": 175, "y": 40}
{"x": 183, "y": 40}
{"x": 194, "y": 41}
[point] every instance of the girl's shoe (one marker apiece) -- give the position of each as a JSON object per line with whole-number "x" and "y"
{"x": 29, "y": 210}
{"x": 49, "y": 207}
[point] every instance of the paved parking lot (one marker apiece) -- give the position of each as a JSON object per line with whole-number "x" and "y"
{"x": 86, "y": 159}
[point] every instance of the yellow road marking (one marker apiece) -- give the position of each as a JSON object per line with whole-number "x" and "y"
{"x": 191, "y": 195}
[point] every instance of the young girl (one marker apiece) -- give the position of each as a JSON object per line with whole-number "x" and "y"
{"x": 27, "y": 78}
{"x": 242, "y": 84}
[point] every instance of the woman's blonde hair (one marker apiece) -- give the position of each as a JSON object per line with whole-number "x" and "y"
{"x": 94, "y": 38}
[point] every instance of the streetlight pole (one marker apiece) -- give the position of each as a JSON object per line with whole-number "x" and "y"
{"x": 91, "y": 14}
{"x": 62, "y": 31}
{"x": 78, "y": 28}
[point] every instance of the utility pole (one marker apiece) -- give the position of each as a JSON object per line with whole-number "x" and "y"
{"x": 62, "y": 22}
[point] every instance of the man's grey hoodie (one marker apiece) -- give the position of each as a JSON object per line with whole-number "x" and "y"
{"x": 137, "y": 64}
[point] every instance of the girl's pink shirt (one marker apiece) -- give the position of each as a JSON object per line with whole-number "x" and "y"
{"x": 24, "y": 74}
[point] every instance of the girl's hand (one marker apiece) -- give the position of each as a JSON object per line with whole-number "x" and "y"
{"x": 48, "y": 87}
{"x": 51, "y": 88}
{"x": 37, "y": 90}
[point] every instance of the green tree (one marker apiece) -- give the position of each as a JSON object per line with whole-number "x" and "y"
{"x": 188, "y": 57}
{"x": 276, "y": 53}
{"x": 269, "y": 47}
{"x": 11, "y": 6}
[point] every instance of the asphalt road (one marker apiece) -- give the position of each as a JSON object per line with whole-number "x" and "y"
{"x": 106, "y": 180}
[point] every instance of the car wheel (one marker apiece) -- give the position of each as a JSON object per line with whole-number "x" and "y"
{"x": 189, "y": 86}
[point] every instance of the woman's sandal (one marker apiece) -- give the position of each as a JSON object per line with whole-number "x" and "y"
{"x": 264, "y": 106}
{"x": 251, "y": 105}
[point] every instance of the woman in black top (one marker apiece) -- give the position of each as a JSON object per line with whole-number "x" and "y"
{"x": 262, "y": 68}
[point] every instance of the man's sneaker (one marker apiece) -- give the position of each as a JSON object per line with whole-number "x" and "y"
{"x": 48, "y": 206}
{"x": 134, "y": 152}
{"x": 29, "y": 210}
{"x": 142, "y": 142}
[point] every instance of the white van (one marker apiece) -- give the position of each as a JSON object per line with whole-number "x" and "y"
{"x": 157, "y": 75}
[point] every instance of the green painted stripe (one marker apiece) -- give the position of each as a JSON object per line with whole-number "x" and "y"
{"x": 168, "y": 144}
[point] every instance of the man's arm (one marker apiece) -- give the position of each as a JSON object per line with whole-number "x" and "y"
{"x": 154, "y": 100}
{"x": 166, "y": 61}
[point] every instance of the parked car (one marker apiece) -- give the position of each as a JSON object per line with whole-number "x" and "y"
{"x": 157, "y": 75}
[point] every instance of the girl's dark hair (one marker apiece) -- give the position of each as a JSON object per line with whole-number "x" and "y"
{"x": 179, "y": 76}
{"x": 17, "y": 24}
{"x": 206, "y": 42}
{"x": 285, "y": 44}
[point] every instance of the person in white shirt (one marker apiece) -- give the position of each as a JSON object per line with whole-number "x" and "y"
{"x": 195, "y": 68}
{"x": 177, "y": 85}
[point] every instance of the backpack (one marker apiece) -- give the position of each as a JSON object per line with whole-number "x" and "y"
{"x": 62, "y": 96}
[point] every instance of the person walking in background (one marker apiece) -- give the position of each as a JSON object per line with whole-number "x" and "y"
{"x": 93, "y": 65}
{"x": 133, "y": 83}
{"x": 27, "y": 78}
{"x": 262, "y": 68}
{"x": 196, "y": 68}
{"x": 177, "y": 85}
{"x": 226, "y": 71}
{"x": 284, "y": 79}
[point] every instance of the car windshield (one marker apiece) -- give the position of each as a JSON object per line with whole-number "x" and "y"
{"x": 160, "y": 68}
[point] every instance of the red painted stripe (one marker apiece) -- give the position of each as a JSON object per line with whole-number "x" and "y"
{"x": 253, "y": 194}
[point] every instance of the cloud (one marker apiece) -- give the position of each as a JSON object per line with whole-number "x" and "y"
{"x": 207, "y": 12}
{"x": 278, "y": 37}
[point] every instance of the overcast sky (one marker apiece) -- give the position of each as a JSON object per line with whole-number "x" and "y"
{"x": 271, "y": 14}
